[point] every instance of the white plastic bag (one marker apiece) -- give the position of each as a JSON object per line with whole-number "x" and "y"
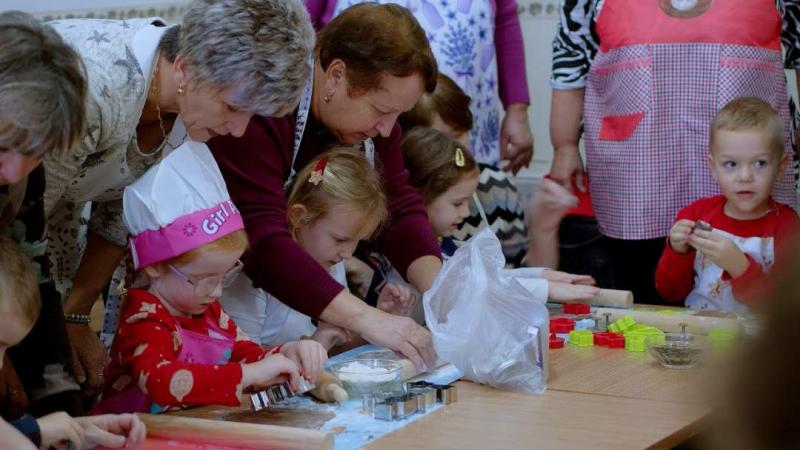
{"x": 485, "y": 322}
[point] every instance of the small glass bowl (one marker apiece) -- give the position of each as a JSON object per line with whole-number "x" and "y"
{"x": 367, "y": 376}
{"x": 676, "y": 350}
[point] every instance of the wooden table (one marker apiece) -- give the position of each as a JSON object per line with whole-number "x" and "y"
{"x": 619, "y": 373}
{"x": 485, "y": 418}
{"x": 596, "y": 398}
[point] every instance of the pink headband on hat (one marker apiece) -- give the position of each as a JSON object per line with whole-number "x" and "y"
{"x": 185, "y": 233}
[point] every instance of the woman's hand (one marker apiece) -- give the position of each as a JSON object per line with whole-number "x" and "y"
{"x": 88, "y": 357}
{"x": 516, "y": 139}
{"x": 402, "y": 335}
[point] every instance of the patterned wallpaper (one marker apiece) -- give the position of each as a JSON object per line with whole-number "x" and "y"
{"x": 171, "y": 11}
{"x": 529, "y": 9}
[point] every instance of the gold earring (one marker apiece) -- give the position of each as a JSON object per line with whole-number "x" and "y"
{"x": 328, "y": 97}
{"x": 180, "y": 90}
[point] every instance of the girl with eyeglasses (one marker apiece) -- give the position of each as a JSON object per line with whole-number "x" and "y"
{"x": 175, "y": 345}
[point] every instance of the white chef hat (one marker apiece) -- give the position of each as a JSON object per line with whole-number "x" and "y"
{"x": 178, "y": 205}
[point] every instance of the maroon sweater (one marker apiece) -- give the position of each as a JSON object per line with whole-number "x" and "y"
{"x": 255, "y": 167}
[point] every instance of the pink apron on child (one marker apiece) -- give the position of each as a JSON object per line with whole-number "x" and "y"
{"x": 652, "y": 92}
{"x": 196, "y": 348}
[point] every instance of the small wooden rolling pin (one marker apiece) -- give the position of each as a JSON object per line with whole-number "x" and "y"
{"x": 606, "y": 297}
{"x": 329, "y": 388}
{"x": 237, "y": 434}
{"x": 671, "y": 323}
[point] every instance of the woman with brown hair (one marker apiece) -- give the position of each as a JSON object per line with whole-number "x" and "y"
{"x": 371, "y": 63}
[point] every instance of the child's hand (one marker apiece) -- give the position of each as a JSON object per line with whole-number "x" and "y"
{"x": 113, "y": 430}
{"x": 329, "y": 335}
{"x": 566, "y": 292}
{"x": 679, "y": 235}
{"x": 569, "y": 278}
{"x": 721, "y": 251}
{"x": 273, "y": 369}
{"x": 396, "y": 299}
{"x": 551, "y": 201}
{"x": 59, "y": 427}
{"x": 359, "y": 276}
{"x": 308, "y": 354}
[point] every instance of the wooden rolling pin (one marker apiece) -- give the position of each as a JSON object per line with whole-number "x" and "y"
{"x": 671, "y": 322}
{"x": 329, "y": 388}
{"x": 410, "y": 370}
{"x": 606, "y": 297}
{"x": 236, "y": 434}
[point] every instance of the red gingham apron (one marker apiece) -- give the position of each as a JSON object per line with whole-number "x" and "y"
{"x": 652, "y": 92}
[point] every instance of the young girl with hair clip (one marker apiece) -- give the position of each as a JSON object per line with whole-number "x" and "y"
{"x": 496, "y": 201}
{"x": 446, "y": 175}
{"x": 176, "y": 346}
{"x": 336, "y": 201}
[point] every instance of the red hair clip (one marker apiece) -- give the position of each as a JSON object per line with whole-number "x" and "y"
{"x": 319, "y": 170}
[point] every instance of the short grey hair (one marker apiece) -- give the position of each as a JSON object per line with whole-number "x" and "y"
{"x": 261, "y": 48}
{"x": 43, "y": 88}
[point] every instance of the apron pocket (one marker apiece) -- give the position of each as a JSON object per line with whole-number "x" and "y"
{"x": 619, "y": 128}
{"x": 751, "y": 72}
{"x": 618, "y": 93}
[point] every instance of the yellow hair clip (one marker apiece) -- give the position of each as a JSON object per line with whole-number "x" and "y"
{"x": 460, "y": 160}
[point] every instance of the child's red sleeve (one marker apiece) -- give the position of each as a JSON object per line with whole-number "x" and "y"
{"x": 675, "y": 271}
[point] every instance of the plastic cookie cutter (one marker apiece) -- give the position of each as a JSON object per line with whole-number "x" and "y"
{"x": 278, "y": 394}
{"x": 609, "y": 339}
{"x": 555, "y": 341}
{"x": 561, "y": 325}
{"x": 637, "y": 338}
{"x": 622, "y": 324}
{"x": 577, "y": 308}
{"x": 581, "y": 338}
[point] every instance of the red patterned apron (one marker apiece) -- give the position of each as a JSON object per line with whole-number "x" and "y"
{"x": 652, "y": 92}
{"x": 196, "y": 348}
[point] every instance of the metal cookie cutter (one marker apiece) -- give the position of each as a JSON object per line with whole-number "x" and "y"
{"x": 445, "y": 393}
{"x": 426, "y": 397}
{"x": 369, "y": 401}
{"x": 701, "y": 225}
{"x": 277, "y": 394}
{"x": 396, "y": 408}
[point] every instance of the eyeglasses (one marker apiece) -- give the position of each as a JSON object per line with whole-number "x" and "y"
{"x": 205, "y": 286}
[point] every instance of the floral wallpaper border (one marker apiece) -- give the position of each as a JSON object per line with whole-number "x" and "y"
{"x": 172, "y": 11}
{"x": 533, "y": 9}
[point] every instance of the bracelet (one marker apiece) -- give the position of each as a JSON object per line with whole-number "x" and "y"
{"x": 79, "y": 319}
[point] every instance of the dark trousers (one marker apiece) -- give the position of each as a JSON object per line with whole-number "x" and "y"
{"x": 635, "y": 265}
{"x": 584, "y": 250}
